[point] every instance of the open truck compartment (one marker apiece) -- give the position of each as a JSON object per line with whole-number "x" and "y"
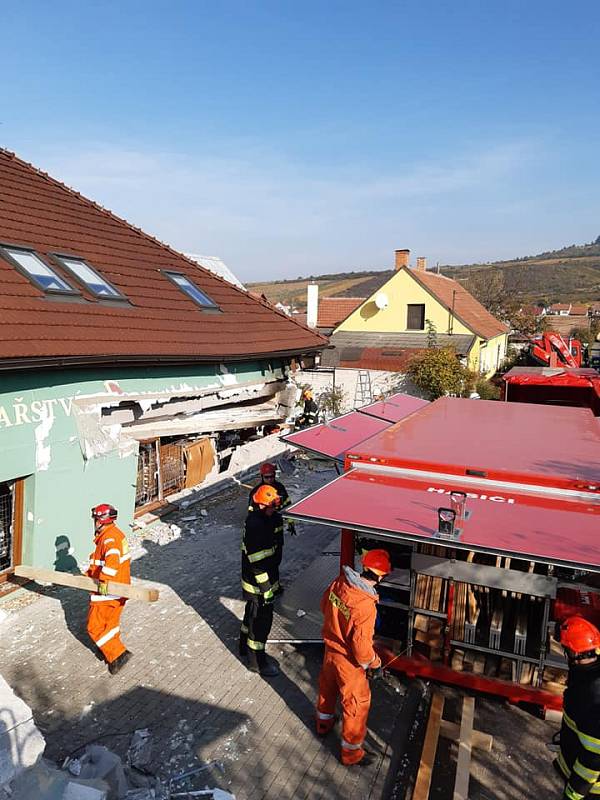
{"x": 475, "y": 603}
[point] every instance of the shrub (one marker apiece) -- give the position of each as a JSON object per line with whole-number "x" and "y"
{"x": 438, "y": 372}
{"x": 487, "y": 390}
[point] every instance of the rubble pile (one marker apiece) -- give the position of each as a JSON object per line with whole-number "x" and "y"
{"x": 100, "y": 774}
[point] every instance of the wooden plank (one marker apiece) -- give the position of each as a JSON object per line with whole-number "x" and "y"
{"x": 423, "y": 782}
{"x": 479, "y": 740}
{"x": 463, "y": 764}
{"x": 458, "y": 657}
{"x": 85, "y": 583}
{"x": 479, "y": 663}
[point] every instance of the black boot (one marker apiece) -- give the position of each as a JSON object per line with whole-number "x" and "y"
{"x": 262, "y": 663}
{"x": 267, "y": 666}
{"x": 118, "y": 664}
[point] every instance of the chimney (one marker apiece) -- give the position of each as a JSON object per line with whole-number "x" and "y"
{"x": 402, "y": 258}
{"x": 421, "y": 264}
{"x": 312, "y": 304}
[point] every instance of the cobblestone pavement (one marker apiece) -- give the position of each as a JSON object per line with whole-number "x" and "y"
{"x": 185, "y": 681}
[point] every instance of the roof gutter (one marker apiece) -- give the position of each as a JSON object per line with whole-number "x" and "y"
{"x": 64, "y": 362}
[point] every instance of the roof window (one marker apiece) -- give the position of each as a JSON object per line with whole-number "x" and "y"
{"x": 39, "y": 273}
{"x": 88, "y": 276}
{"x": 190, "y": 288}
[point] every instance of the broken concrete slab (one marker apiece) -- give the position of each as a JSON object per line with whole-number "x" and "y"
{"x": 44, "y": 781}
{"x": 21, "y": 743}
{"x": 79, "y": 791}
{"x": 98, "y": 762}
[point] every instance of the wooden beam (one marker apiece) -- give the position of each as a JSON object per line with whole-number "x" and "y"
{"x": 423, "y": 782}
{"x": 463, "y": 763}
{"x": 85, "y": 583}
{"x": 480, "y": 740}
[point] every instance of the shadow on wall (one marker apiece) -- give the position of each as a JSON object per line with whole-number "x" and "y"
{"x": 368, "y": 310}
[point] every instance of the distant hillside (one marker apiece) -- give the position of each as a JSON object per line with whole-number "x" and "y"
{"x": 571, "y": 274}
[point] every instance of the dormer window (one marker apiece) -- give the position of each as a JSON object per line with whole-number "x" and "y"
{"x": 93, "y": 281}
{"x": 189, "y": 287}
{"x": 39, "y": 273}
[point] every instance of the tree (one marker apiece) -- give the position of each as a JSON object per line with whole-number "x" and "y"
{"x": 332, "y": 402}
{"x": 526, "y": 323}
{"x": 489, "y": 288}
{"x": 587, "y": 334}
{"x": 438, "y": 372}
{"x": 431, "y": 333}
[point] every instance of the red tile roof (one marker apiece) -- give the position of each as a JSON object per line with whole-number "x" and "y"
{"x": 333, "y": 310}
{"x": 578, "y": 310}
{"x": 382, "y": 358}
{"x": 564, "y": 325}
{"x": 466, "y": 308}
{"x": 38, "y": 212}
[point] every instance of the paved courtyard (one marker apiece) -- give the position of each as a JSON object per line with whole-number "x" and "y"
{"x": 186, "y": 682}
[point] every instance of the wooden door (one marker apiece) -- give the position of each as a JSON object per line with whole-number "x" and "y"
{"x": 11, "y": 526}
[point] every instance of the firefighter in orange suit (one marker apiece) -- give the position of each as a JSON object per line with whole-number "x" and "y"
{"x": 108, "y": 562}
{"x": 349, "y": 606}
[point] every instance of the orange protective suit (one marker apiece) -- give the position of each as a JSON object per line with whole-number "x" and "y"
{"x": 109, "y": 562}
{"x": 349, "y": 609}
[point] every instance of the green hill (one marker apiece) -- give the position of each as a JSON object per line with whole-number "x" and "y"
{"x": 571, "y": 274}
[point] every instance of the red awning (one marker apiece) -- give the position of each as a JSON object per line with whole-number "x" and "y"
{"x": 557, "y": 528}
{"x": 394, "y": 408}
{"x": 333, "y": 439}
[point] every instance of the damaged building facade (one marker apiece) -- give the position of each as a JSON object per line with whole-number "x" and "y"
{"x": 127, "y": 371}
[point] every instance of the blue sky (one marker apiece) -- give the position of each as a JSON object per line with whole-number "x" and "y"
{"x": 293, "y": 138}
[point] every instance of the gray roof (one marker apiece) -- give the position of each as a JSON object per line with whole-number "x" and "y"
{"x": 349, "y": 345}
{"x": 413, "y": 340}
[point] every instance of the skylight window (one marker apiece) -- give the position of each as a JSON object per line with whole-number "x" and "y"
{"x": 39, "y": 273}
{"x": 91, "y": 279}
{"x": 190, "y": 288}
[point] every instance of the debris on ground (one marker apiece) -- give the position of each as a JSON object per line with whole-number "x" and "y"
{"x": 44, "y": 781}
{"x": 98, "y": 762}
{"x": 139, "y": 754}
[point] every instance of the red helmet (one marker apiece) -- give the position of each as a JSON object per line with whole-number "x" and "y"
{"x": 377, "y": 561}
{"x": 580, "y": 637}
{"x": 104, "y": 513}
{"x": 266, "y": 496}
{"x": 268, "y": 469}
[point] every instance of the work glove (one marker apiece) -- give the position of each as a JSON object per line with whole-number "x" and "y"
{"x": 374, "y": 673}
{"x": 102, "y": 588}
{"x": 291, "y": 526}
{"x": 268, "y": 597}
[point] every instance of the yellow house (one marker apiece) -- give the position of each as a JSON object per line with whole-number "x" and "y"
{"x": 412, "y": 297}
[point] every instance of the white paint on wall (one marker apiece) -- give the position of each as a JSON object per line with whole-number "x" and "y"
{"x": 43, "y": 450}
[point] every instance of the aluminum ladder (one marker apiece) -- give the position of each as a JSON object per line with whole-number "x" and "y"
{"x": 363, "y": 393}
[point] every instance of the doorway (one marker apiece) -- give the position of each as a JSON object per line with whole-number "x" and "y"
{"x": 11, "y": 526}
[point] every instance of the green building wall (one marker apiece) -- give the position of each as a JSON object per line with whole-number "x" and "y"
{"x": 39, "y": 442}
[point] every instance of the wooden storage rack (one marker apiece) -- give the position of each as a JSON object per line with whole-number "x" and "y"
{"x": 479, "y": 614}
